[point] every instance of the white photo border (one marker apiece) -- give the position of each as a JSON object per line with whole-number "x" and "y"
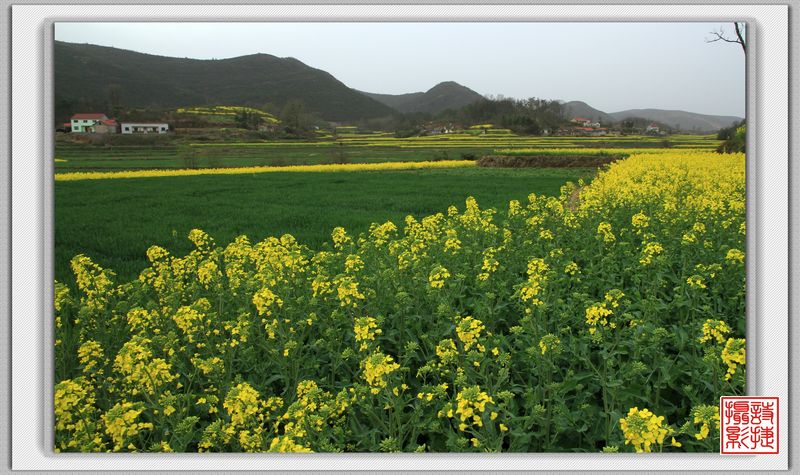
{"x": 32, "y": 225}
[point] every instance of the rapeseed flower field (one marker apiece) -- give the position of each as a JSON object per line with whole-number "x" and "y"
{"x": 610, "y": 318}
{"x": 354, "y": 167}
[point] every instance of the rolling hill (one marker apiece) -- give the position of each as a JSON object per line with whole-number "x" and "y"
{"x": 574, "y": 109}
{"x": 84, "y": 75}
{"x": 88, "y": 76}
{"x": 445, "y": 95}
{"x": 686, "y": 121}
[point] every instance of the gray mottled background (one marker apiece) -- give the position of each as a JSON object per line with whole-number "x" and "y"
{"x": 373, "y": 463}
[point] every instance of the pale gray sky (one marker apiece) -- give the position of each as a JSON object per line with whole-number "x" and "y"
{"x": 610, "y": 66}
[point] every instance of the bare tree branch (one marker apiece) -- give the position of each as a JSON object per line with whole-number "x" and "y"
{"x": 739, "y": 36}
{"x": 722, "y": 36}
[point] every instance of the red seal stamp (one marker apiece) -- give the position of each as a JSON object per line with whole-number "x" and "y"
{"x": 748, "y": 425}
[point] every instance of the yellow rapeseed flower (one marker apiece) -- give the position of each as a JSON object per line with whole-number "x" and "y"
{"x": 365, "y": 329}
{"x": 714, "y": 330}
{"x": 469, "y": 330}
{"x": 733, "y": 355}
{"x": 437, "y": 277}
{"x": 643, "y": 429}
{"x": 375, "y": 368}
{"x": 333, "y": 168}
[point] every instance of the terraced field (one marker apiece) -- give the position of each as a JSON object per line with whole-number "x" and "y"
{"x": 346, "y": 148}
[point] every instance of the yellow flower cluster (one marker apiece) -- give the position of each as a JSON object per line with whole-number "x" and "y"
{"x": 90, "y": 355}
{"x": 735, "y": 255}
{"x": 142, "y": 372}
{"x": 714, "y": 330}
{"x": 347, "y": 291}
{"x": 696, "y": 281}
{"x": 572, "y": 268}
{"x": 605, "y": 233}
{"x": 242, "y": 404}
{"x": 340, "y": 238}
{"x": 640, "y": 221}
{"x": 314, "y": 412}
{"x": 643, "y": 429}
{"x": 598, "y": 313}
{"x": 733, "y": 355}
{"x": 475, "y": 218}
{"x": 353, "y": 263}
{"x": 365, "y": 329}
{"x": 438, "y": 276}
{"x": 550, "y": 343}
{"x": 490, "y": 264}
{"x": 537, "y": 277}
{"x": 95, "y": 283}
{"x": 438, "y": 391}
{"x": 469, "y": 330}
{"x": 61, "y": 298}
{"x": 75, "y": 414}
{"x": 376, "y": 367}
{"x": 121, "y": 423}
{"x": 446, "y": 350}
{"x": 264, "y": 300}
{"x": 381, "y": 233}
{"x": 189, "y": 320}
{"x": 705, "y": 415}
{"x": 286, "y": 444}
{"x": 650, "y": 251}
{"x": 470, "y": 405}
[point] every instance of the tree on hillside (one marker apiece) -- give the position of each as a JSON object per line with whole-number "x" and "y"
{"x": 114, "y": 92}
{"x": 726, "y": 133}
{"x": 737, "y": 141}
{"x": 740, "y": 29}
{"x": 527, "y": 116}
{"x": 294, "y": 116}
{"x": 245, "y": 119}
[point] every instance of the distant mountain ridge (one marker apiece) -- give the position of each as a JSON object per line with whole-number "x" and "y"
{"x": 443, "y": 96}
{"x": 575, "y": 109}
{"x": 86, "y": 76}
{"x": 84, "y": 73}
{"x": 688, "y": 121}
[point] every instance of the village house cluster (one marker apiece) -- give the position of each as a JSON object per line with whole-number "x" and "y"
{"x": 97, "y": 123}
{"x": 583, "y": 126}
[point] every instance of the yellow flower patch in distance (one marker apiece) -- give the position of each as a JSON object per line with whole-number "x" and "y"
{"x": 355, "y": 167}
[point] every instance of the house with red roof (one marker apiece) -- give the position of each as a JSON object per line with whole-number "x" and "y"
{"x": 86, "y": 123}
{"x": 108, "y": 126}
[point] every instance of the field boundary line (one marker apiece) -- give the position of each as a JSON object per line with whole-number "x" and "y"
{"x": 355, "y": 167}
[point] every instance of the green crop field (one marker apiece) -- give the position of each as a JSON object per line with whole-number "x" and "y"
{"x": 306, "y": 205}
{"x": 232, "y": 155}
{"x": 180, "y": 152}
{"x": 114, "y": 221}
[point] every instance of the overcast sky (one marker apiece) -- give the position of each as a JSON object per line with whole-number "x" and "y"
{"x": 610, "y": 66}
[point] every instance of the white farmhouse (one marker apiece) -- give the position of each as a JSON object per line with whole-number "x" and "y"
{"x": 86, "y": 122}
{"x": 144, "y": 128}
{"x": 652, "y": 128}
